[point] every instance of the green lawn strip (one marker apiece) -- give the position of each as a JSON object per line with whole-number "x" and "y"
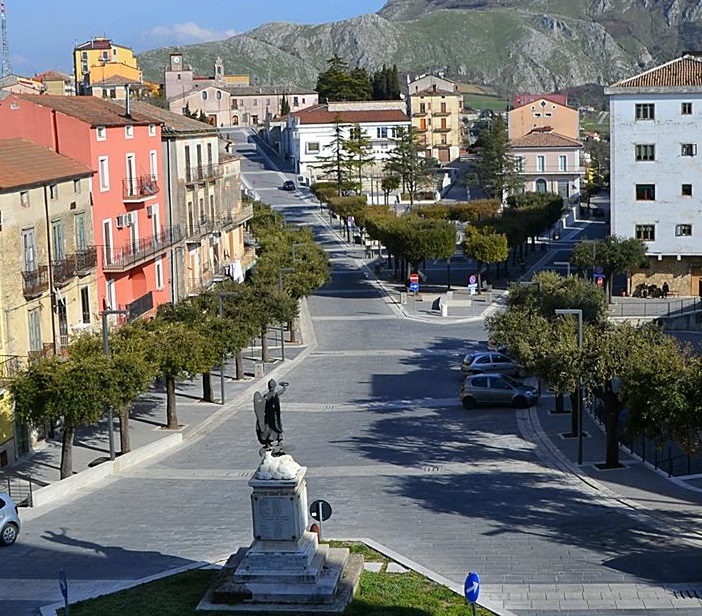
{"x": 379, "y": 594}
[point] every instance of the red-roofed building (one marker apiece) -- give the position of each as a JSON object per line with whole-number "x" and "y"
{"x": 543, "y": 111}
{"x": 310, "y": 132}
{"x": 123, "y": 148}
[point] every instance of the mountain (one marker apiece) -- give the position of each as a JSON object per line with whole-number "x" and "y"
{"x": 511, "y": 45}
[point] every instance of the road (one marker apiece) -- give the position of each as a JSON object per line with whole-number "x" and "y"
{"x": 373, "y": 413}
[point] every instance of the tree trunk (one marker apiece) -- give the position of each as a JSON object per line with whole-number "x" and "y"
{"x": 125, "y": 445}
{"x": 207, "y": 385}
{"x": 559, "y": 404}
{"x": 573, "y": 395}
{"x": 291, "y": 327}
{"x": 69, "y": 433}
{"x": 613, "y": 407}
{"x": 239, "y": 362}
{"x": 171, "y": 418}
{"x": 265, "y": 355}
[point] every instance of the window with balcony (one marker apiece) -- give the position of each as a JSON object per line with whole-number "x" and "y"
{"x": 685, "y": 108}
{"x": 686, "y": 190}
{"x": 645, "y": 111}
{"x": 645, "y": 151}
{"x": 107, "y": 240}
{"x": 422, "y": 107}
{"x": 29, "y": 257}
{"x": 683, "y": 230}
{"x": 646, "y": 233}
{"x": 153, "y": 164}
{"x": 688, "y": 149}
{"x": 58, "y": 245}
{"x": 81, "y": 240}
{"x": 645, "y": 192}
{"x": 443, "y": 107}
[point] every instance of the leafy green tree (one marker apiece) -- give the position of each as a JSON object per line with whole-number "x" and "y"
{"x": 613, "y": 254}
{"x": 388, "y": 184}
{"x": 408, "y": 160}
{"x": 336, "y": 162}
{"x": 359, "y": 154}
{"x": 386, "y": 84}
{"x": 338, "y": 83}
{"x": 485, "y": 247}
{"x": 495, "y": 164}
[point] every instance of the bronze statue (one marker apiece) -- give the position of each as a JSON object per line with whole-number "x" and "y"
{"x": 269, "y": 427}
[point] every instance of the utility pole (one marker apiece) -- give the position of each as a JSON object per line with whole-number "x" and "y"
{"x": 6, "y": 70}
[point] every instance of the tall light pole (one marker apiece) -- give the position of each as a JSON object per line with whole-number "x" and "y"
{"x": 220, "y": 296}
{"x": 281, "y": 271}
{"x": 579, "y": 313}
{"x": 566, "y": 263}
{"x": 106, "y": 351}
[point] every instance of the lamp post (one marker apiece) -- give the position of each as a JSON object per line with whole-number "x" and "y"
{"x": 566, "y": 263}
{"x": 220, "y": 313}
{"x": 579, "y": 313}
{"x": 106, "y": 351}
{"x": 281, "y": 271}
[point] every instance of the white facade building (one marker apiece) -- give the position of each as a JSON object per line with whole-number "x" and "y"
{"x": 656, "y": 130}
{"x": 310, "y": 132}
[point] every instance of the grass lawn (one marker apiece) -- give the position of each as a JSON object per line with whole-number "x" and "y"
{"x": 379, "y": 594}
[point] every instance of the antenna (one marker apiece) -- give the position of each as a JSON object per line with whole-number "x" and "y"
{"x": 5, "y": 70}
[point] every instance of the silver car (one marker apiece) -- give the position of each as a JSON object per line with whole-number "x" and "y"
{"x": 9, "y": 520}
{"x": 496, "y": 390}
{"x": 476, "y": 363}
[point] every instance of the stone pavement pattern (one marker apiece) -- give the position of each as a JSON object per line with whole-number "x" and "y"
{"x": 373, "y": 413}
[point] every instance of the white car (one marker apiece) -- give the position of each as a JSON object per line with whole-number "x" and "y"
{"x": 9, "y": 520}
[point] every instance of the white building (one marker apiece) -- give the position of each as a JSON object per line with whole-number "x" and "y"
{"x": 656, "y": 127}
{"x": 310, "y": 132}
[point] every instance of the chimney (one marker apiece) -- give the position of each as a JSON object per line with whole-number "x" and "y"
{"x": 127, "y": 106}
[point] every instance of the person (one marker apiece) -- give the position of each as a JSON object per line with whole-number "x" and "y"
{"x": 269, "y": 426}
{"x": 666, "y": 289}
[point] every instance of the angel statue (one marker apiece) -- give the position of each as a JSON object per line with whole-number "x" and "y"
{"x": 269, "y": 427}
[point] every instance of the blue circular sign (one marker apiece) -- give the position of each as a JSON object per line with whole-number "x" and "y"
{"x": 471, "y": 588}
{"x": 414, "y": 286}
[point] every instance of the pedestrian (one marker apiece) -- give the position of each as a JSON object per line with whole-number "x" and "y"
{"x": 666, "y": 289}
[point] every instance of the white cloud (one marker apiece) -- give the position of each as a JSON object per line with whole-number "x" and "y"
{"x": 189, "y": 32}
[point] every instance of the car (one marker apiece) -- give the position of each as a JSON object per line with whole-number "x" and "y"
{"x": 9, "y": 520}
{"x": 475, "y": 363}
{"x": 492, "y": 389}
{"x": 288, "y": 185}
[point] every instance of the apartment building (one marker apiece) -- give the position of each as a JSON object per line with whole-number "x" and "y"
{"x": 123, "y": 148}
{"x": 655, "y": 120}
{"x": 47, "y": 265}
{"x": 100, "y": 59}
{"x": 201, "y": 196}
{"x": 540, "y": 111}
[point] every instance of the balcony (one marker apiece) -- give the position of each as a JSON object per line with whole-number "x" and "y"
{"x": 139, "y": 188}
{"x": 46, "y": 351}
{"x": 442, "y": 129}
{"x": 202, "y": 173}
{"x": 419, "y": 114}
{"x": 10, "y": 367}
{"x": 136, "y": 253}
{"x": 63, "y": 270}
{"x": 236, "y": 217}
{"x": 140, "y": 306}
{"x": 35, "y": 282}
{"x": 196, "y": 231}
{"x": 441, "y": 114}
{"x": 85, "y": 260}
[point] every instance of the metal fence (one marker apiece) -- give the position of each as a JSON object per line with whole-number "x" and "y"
{"x": 654, "y": 308}
{"x": 19, "y": 487}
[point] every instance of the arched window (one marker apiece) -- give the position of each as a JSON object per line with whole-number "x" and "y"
{"x": 235, "y": 120}
{"x": 204, "y": 95}
{"x": 540, "y": 185}
{"x": 219, "y": 95}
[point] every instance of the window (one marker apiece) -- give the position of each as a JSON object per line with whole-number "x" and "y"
{"x": 688, "y": 149}
{"x": 686, "y": 108}
{"x": 686, "y": 190}
{"x": 53, "y": 192}
{"x": 563, "y": 163}
{"x": 443, "y": 107}
{"x": 540, "y": 163}
{"x": 152, "y": 130}
{"x": 34, "y": 322}
{"x": 646, "y": 233}
{"x": 29, "y": 263}
{"x": 645, "y": 111}
{"x": 104, "y": 173}
{"x": 57, "y": 240}
{"x": 81, "y": 240}
{"x": 76, "y": 187}
{"x": 24, "y": 198}
{"x": 129, "y": 132}
{"x": 218, "y": 95}
{"x": 107, "y": 240}
{"x": 541, "y": 185}
{"x": 158, "y": 268}
{"x": 204, "y": 95}
{"x": 645, "y": 192}
{"x": 422, "y": 108}
{"x": 101, "y": 133}
{"x": 645, "y": 151}
{"x": 683, "y": 230}
{"x": 519, "y": 164}
{"x": 382, "y": 132}
{"x": 312, "y": 147}
{"x": 295, "y": 101}
{"x": 110, "y": 295}
{"x": 85, "y": 304}
{"x": 153, "y": 164}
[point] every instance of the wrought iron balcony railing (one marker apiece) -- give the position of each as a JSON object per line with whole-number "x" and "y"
{"x": 36, "y": 281}
{"x": 139, "y": 188}
{"x": 137, "y": 252}
{"x": 201, "y": 173}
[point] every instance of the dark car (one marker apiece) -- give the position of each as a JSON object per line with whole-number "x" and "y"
{"x": 288, "y": 185}
{"x": 492, "y": 389}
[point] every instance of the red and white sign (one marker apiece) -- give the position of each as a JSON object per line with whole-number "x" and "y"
{"x": 414, "y": 277}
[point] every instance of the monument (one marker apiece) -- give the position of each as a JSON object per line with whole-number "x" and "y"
{"x": 285, "y": 568}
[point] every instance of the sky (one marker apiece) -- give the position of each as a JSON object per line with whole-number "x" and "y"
{"x": 41, "y": 34}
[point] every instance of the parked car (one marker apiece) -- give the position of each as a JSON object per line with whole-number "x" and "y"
{"x": 9, "y": 520}
{"x": 475, "y": 363}
{"x": 288, "y": 185}
{"x": 492, "y": 389}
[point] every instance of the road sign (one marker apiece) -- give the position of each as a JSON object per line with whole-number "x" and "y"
{"x": 472, "y": 279}
{"x": 320, "y": 510}
{"x": 600, "y": 281}
{"x": 471, "y": 587}
{"x": 599, "y": 270}
{"x": 414, "y": 287}
{"x": 414, "y": 278}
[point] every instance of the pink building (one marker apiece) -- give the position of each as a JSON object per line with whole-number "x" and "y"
{"x": 124, "y": 150}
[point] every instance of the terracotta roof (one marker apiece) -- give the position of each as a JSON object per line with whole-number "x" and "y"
{"x": 545, "y": 139}
{"x": 520, "y": 100}
{"x": 320, "y": 114}
{"x": 172, "y": 122}
{"x": 117, "y": 80}
{"x": 53, "y": 76}
{"x": 685, "y": 71}
{"x": 95, "y": 111}
{"x": 430, "y": 91}
{"x": 25, "y": 163}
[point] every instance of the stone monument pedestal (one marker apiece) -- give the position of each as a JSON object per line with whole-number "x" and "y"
{"x": 284, "y": 569}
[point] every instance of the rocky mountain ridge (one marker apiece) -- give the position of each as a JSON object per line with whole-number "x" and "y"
{"x": 524, "y": 45}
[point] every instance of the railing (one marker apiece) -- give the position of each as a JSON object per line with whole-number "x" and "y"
{"x": 237, "y": 217}
{"x": 10, "y": 367}
{"x": 85, "y": 260}
{"x": 139, "y": 188}
{"x": 197, "y": 230}
{"x": 63, "y": 270}
{"x": 441, "y": 114}
{"x": 654, "y": 307}
{"x": 35, "y": 282}
{"x": 200, "y": 173}
{"x": 19, "y": 487}
{"x": 46, "y": 351}
{"x": 133, "y": 253}
{"x": 141, "y": 305}
{"x": 442, "y": 129}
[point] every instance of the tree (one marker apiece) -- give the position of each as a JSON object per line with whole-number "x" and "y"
{"x": 408, "y": 160}
{"x": 284, "y": 105}
{"x": 386, "y": 84}
{"x": 613, "y": 254}
{"x": 358, "y": 154}
{"x": 335, "y": 163}
{"x": 388, "y": 184}
{"x": 495, "y": 164}
{"x": 485, "y": 247}
{"x": 338, "y": 83}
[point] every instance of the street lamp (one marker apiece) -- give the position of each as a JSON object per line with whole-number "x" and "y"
{"x": 579, "y": 313}
{"x": 106, "y": 351}
{"x": 281, "y": 271}
{"x": 566, "y": 263}
{"x": 220, "y": 296}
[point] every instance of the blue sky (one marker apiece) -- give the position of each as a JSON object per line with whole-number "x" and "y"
{"x": 42, "y": 33}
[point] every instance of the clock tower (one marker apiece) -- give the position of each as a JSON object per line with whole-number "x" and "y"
{"x": 176, "y": 61}
{"x": 178, "y": 78}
